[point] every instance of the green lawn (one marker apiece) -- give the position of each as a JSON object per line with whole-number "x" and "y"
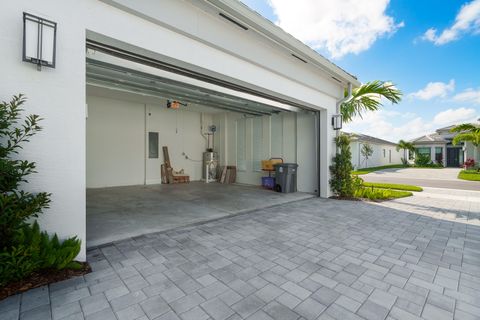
{"x": 368, "y": 170}
{"x": 472, "y": 175}
{"x": 380, "y": 194}
{"x": 404, "y": 187}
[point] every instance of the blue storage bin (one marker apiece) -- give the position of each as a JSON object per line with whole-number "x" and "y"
{"x": 268, "y": 182}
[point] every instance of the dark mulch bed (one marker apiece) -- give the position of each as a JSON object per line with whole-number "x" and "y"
{"x": 41, "y": 278}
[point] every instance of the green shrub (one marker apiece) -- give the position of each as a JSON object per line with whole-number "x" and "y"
{"x": 23, "y": 247}
{"x": 422, "y": 160}
{"x": 342, "y": 182}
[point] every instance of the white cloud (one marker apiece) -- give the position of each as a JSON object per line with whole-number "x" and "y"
{"x": 340, "y": 27}
{"x": 466, "y": 21}
{"x": 452, "y": 116}
{"x": 381, "y": 124}
{"x": 469, "y": 95}
{"x": 434, "y": 90}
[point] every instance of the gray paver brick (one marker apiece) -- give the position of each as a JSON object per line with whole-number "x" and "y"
{"x": 186, "y": 303}
{"x": 127, "y": 300}
{"x": 296, "y": 290}
{"x": 431, "y": 312}
{"x": 280, "y": 312}
{"x": 269, "y": 292}
{"x": 154, "y": 307}
{"x": 373, "y": 311}
{"x": 248, "y": 306}
{"x": 310, "y": 308}
{"x": 217, "y": 309}
{"x": 288, "y": 300}
{"x": 94, "y": 304}
{"x": 39, "y": 313}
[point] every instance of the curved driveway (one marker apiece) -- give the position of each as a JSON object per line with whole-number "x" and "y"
{"x": 434, "y": 178}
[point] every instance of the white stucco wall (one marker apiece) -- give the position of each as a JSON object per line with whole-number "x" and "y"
{"x": 378, "y": 158}
{"x": 190, "y": 37}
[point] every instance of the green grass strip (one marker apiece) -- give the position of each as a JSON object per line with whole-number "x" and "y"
{"x": 471, "y": 175}
{"x": 394, "y": 186}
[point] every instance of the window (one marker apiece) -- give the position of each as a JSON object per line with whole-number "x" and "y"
{"x": 384, "y": 153}
{"x": 439, "y": 154}
{"x": 257, "y": 143}
{"x": 241, "y": 145}
{"x": 153, "y": 145}
{"x": 424, "y": 151}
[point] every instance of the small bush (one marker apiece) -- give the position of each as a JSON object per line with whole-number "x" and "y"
{"x": 422, "y": 160}
{"x": 469, "y": 163}
{"x": 342, "y": 182}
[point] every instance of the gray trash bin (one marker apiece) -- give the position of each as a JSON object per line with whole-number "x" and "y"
{"x": 286, "y": 177}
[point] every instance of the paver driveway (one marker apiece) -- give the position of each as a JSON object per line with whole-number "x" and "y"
{"x": 314, "y": 259}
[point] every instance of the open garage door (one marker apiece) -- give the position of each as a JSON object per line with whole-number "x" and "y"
{"x": 130, "y": 118}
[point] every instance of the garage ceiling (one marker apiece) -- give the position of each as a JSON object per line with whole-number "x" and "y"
{"x": 111, "y": 76}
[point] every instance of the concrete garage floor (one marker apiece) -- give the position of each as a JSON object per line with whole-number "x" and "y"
{"x": 121, "y": 212}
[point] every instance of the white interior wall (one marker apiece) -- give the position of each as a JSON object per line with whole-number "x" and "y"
{"x": 115, "y": 142}
{"x": 117, "y": 150}
{"x": 179, "y": 130}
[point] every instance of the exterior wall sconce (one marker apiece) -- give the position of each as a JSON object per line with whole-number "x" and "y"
{"x": 39, "y": 41}
{"x": 337, "y": 121}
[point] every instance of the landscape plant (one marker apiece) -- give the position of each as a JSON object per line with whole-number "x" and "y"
{"x": 342, "y": 183}
{"x": 422, "y": 160}
{"x": 405, "y": 146}
{"x": 366, "y": 151}
{"x": 467, "y": 132}
{"x": 23, "y": 247}
{"x": 369, "y": 97}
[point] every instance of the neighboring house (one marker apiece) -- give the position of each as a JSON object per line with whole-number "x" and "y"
{"x": 117, "y": 62}
{"x": 438, "y": 146}
{"x": 384, "y": 152}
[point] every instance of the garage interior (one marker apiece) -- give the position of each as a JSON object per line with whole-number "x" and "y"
{"x": 134, "y": 110}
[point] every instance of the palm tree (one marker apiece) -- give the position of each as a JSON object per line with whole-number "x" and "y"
{"x": 467, "y": 132}
{"x": 368, "y": 97}
{"x": 405, "y": 145}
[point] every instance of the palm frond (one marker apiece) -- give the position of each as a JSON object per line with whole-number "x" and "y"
{"x": 473, "y": 137}
{"x": 368, "y": 97}
{"x": 465, "y": 127}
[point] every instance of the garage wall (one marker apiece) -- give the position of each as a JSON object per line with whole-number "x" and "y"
{"x": 179, "y": 130}
{"x": 117, "y": 152}
{"x": 278, "y": 139}
{"x": 115, "y": 143}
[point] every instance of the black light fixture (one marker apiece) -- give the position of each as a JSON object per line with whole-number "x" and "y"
{"x": 39, "y": 41}
{"x": 337, "y": 120}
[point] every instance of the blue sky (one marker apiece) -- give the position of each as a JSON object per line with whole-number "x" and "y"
{"x": 429, "y": 49}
